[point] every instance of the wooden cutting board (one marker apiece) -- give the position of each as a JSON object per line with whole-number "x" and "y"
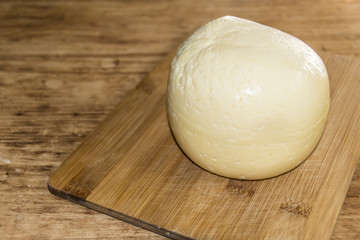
{"x": 132, "y": 169}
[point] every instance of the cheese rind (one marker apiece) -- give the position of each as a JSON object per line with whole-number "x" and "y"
{"x": 245, "y": 100}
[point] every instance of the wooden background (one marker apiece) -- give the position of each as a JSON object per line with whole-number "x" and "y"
{"x": 64, "y": 65}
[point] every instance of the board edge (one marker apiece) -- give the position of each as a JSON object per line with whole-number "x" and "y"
{"x": 120, "y": 216}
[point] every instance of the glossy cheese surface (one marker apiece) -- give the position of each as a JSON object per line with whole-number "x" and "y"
{"x": 245, "y": 100}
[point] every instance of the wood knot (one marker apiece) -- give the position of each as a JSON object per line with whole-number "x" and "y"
{"x": 240, "y": 188}
{"x": 19, "y": 113}
{"x": 301, "y": 209}
{"x": 146, "y": 85}
{"x": 77, "y": 189}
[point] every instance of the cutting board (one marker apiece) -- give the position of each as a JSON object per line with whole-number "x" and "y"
{"x": 131, "y": 168}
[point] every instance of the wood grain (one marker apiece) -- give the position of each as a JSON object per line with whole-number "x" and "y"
{"x": 131, "y": 168}
{"x": 65, "y": 65}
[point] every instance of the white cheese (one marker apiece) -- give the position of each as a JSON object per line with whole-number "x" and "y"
{"x": 245, "y": 100}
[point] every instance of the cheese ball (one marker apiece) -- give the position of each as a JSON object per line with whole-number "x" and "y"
{"x": 245, "y": 100}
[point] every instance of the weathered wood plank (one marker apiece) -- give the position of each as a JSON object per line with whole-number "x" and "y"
{"x": 65, "y": 65}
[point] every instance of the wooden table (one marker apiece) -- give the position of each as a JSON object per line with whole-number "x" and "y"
{"x": 64, "y": 66}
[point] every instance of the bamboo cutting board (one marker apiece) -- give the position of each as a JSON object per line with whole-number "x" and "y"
{"x": 132, "y": 169}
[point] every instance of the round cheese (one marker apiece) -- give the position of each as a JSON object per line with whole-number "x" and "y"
{"x": 246, "y": 101}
